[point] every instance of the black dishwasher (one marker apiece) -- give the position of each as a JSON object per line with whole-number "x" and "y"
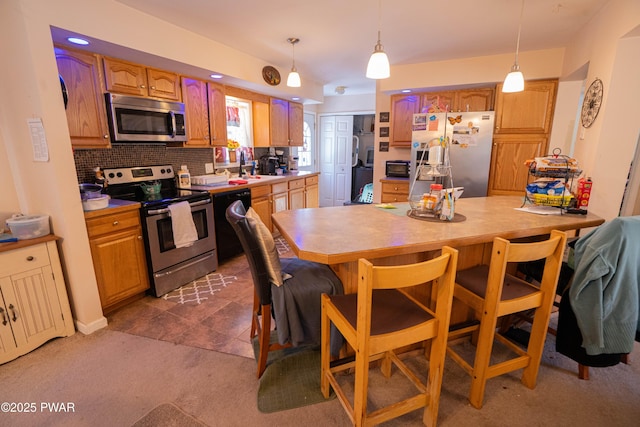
{"x": 227, "y": 242}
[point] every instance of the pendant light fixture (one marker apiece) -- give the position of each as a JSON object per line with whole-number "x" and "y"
{"x": 514, "y": 82}
{"x": 378, "y": 67}
{"x": 294, "y": 78}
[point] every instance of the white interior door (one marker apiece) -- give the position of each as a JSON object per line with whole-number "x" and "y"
{"x": 327, "y": 150}
{"x": 336, "y": 145}
{"x": 343, "y": 152}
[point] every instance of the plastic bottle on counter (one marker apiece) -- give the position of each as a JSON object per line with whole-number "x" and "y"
{"x": 432, "y": 198}
{"x": 184, "y": 177}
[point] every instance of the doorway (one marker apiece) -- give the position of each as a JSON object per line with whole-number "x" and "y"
{"x": 345, "y": 141}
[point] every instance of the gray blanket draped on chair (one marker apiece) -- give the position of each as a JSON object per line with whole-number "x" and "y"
{"x": 296, "y": 310}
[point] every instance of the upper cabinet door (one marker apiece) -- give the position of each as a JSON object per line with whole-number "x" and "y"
{"x": 441, "y": 101}
{"x": 529, "y": 111}
{"x": 134, "y": 79}
{"x": 296, "y": 126}
{"x": 474, "y": 100}
{"x": 164, "y": 84}
{"x": 403, "y": 107}
{"x": 279, "y": 113}
{"x": 125, "y": 77}
{"x": 86, "y": 111}
{"x": 217, "y": 114}
{"x": 194, "y": 94}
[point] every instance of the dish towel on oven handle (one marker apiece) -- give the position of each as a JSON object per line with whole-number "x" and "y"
{"x": 184, "y": 230}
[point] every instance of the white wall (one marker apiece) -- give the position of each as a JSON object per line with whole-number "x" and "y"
{"x": 607, "y": 46}
{"x": 565, "y": 119}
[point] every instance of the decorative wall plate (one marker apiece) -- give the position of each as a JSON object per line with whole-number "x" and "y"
{"x": 271, "y": 75}
{"x": 591, "y": 103}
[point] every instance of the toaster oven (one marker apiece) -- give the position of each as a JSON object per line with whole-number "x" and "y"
{"x": 397, "y": 168}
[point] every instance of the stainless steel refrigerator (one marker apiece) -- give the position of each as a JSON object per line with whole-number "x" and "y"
{"x": 469, "y": 137}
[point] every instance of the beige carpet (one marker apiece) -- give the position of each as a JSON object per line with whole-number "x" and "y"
{"x": 115, "y": 379}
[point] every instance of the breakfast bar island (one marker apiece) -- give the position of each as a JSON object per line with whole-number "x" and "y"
{"x": 340, "y": 235}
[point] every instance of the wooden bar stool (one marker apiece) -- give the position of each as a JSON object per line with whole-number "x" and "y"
{"x": 382, "y": 317}
{"x": 492, "y": 293}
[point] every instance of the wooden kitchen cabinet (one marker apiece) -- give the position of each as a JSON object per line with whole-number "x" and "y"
{"x": 194, "y": 94}
{"x": 279, "y": 197}
{"x": 34, "y": 306}
{"x": 522, "y": 129}
{"x": 508, "y": 173}
{"x": 86, "y": 112}
{"x": 261, "y": 124}
{"x": 206, "y": 113}
{"x": 296, "y": 124}
{"x": 119, "y": 258}
{"x": 474, "y": 100}
{"x": 134, "y": 79}
{"x": 529, "y": 111}
{"x": 217, "y": 103}
{"x": 296, "y": 194}
{"x": 394, "y": 191}
{"x": 404, "y": 106}
{"x": 311, "y": 192}
{"x": 286, "y": 123}
{"x": 261, "y": 203}
{"x": 445, "y": 101}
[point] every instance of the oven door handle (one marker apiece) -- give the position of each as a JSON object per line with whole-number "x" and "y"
{"x": 166, "y": 210}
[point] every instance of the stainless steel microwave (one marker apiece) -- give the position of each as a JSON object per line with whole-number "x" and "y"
{"x": 134, "y": 119}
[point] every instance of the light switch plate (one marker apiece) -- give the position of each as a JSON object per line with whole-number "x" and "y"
{"x": 208, "y": 167}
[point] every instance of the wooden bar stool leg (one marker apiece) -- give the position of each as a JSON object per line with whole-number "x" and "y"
{"x": 482, "y": 359}
{"x": 583, "y": 372}
{"x": 360, "y": 389}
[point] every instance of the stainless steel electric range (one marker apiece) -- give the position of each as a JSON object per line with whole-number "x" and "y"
{"x": 155, "y": 188}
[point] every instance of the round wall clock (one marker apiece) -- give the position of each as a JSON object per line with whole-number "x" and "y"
{"x": 271, "y": 75}
{"x": 591, "y": 103}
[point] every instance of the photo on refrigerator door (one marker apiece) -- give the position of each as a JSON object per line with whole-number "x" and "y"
{"x": 465, "y": 136}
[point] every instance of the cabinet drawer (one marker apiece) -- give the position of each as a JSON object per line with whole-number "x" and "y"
{"x": 311, "y": 180}
{"x": 280, "y": 187}
{"x": 393, "y": 198}
{"x": 296, "y": 183}
{"x": 260, "y": 191}
{"x": 396, "y": 187}
{"x": 112, "y": 223}
{"x": 24, "y": 259}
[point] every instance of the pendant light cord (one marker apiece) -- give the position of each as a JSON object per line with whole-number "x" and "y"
{"x": 519, "y": 30}
{"x": 379, "y": 18}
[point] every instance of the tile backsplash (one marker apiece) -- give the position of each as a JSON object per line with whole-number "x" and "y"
{"x": 140, "y": 155}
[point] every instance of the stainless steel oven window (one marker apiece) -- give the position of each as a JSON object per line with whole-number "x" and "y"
{"x": 161, "y": 249}
{"x": 165, "y": 230}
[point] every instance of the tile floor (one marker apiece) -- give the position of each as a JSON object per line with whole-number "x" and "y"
{"x": 220, "y": 322}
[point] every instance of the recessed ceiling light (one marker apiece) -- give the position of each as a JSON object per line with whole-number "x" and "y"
{"x": 216, "y": 76}
{"x": 295, "y": 98}
{"x": 77, "y": 40}
{"x": 406, "y": 90}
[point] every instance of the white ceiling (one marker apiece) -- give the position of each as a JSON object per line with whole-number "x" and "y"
{"x": 338, "y": 36}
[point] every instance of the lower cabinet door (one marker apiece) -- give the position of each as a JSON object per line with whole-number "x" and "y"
{"x": 120, "y": 265}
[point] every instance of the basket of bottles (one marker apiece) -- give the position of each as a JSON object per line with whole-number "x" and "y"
{"x": 428, "y": 204}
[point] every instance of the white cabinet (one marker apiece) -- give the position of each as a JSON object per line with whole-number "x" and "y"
{"x": 34, "y": 306}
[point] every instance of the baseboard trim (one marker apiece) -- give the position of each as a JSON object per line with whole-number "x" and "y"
{"x": 89, "y": 328}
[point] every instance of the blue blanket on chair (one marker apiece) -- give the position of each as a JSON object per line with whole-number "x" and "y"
{"x": 297, "y": 305}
